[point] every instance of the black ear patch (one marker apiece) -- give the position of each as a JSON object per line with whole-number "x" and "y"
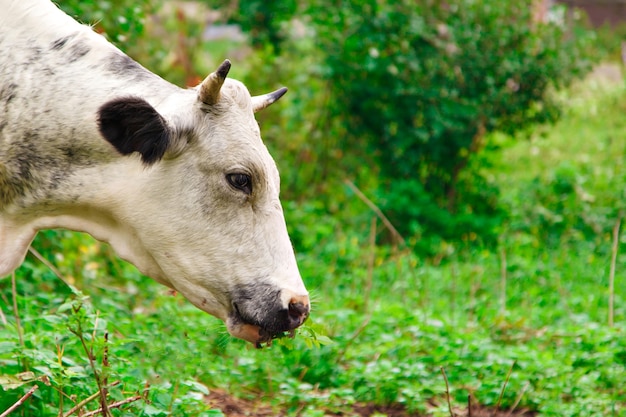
{"x": 132, "y": 125}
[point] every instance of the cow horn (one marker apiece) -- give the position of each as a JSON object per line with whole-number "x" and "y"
{"x": 209, "y": 92}
{"x": 261, "y": 102}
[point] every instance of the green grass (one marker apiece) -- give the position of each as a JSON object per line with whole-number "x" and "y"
{"x": 395, "y": 320}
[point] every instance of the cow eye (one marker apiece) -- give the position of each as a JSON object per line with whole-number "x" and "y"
{"x": 241, "y": 182}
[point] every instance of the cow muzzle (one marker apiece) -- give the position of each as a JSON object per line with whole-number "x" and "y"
{"x": 260, "y": 320}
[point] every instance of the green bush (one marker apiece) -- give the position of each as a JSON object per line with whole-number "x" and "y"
{"x": 577, "y": 192}
{"x": 419, "y": 84}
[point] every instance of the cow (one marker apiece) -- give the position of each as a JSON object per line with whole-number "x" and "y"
{"x": 177, "y": 181}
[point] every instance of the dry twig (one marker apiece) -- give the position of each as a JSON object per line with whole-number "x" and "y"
{"x": 614, "y": 248}
{"x": 506, "y": 381}
{"x": 86, "y": 400}
{"x": 352, "y": 338}
{"x": 370, "y": 266}
{"x": 113, "y": 405}
{"x": 396, "y": 235}
{"x": 518, "y": 399}
{"x": 20, "y": 401}
{"x": 445, "y": 378}
{"x": 20, "y": 333}
{"x": 47, "y": 263}
{"x": 503, "y": 281}
{"x": 105, "y": 364}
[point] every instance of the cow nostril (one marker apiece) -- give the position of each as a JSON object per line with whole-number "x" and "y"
{"x": 298, "y": 311}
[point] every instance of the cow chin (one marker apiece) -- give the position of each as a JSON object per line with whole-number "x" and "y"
{"x": 248, "y": 332}
{"x": 253, "y": 333}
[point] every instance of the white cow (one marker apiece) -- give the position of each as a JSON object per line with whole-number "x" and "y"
{"x": 177, "y": 180}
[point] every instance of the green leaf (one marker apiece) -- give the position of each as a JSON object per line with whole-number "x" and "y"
{"x": 197, "y": 386}
{"x": 324, "y": 340}
{"x": 150, "y": 410}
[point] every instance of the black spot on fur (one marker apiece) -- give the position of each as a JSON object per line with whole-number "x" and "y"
{"x": 121, "y": 64}
{"x": 33, "y": 56}
{"x": 68, "y": 152}
{"x": 8, "y": 93}
{"x": 60, "y": 43}
{"x": 132, "y": 125}
{"x": 16, "y": 175}
{"x": 124, "y": 67}
{"x": 78, "y": 50}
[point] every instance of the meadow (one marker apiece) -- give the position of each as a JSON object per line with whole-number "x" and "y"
{"x": 531, "y": 325}
{"x": 525, "y": 327}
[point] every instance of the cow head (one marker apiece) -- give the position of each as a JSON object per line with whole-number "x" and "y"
{"x": 178, "y": 181}
{"x": 198, "y": 208}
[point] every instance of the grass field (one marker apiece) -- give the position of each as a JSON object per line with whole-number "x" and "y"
{"x": 524, "y": 326}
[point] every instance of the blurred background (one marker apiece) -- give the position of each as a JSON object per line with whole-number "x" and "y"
{"x": 454, "y": 183}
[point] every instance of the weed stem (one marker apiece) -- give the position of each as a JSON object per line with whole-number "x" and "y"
{"x": 518, "y": 399}
{"x": 47, "y": 263}
{"x": 113, "y": 405}
{"x": 20, "y": 333}
{"x": 20, "y": 401}
{"x": 101, "y": 389}
{"x": 503, "y": 281}
{"x": 445, "y": 378}
{"x": 612, "y": 270}
{"x": 506, "y": 381}
{"x": 86, "y": 400}
{"x": 396, "y": 235}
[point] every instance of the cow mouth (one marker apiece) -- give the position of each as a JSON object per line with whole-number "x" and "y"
{"x": 267, "y": 337}
{"x": 243, "y": 327}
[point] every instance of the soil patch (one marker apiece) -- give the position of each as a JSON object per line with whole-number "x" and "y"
{"x": 238, "y": 407}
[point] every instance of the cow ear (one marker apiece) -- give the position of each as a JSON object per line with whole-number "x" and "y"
{"x": 132, "y": 125}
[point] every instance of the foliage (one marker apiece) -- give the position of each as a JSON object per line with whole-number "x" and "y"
{"x": 578, "y": 198}
{"x": 264, "y": 20}
{"x": 420, "y": 84}
{"x": 121, "y": 20}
